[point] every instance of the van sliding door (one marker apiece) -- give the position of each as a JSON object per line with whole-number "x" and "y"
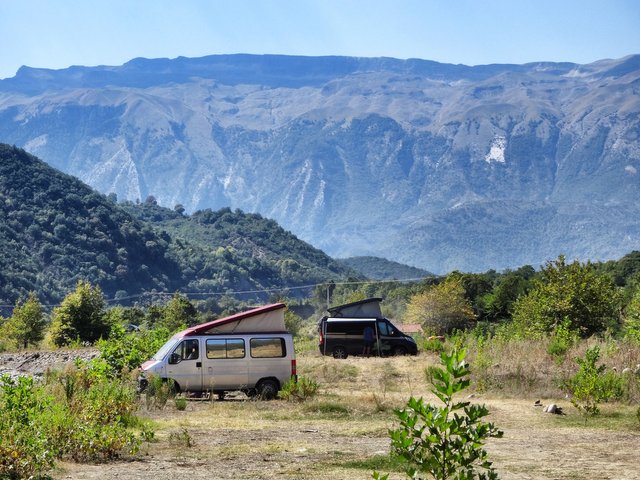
{"x": 225, "y": 364}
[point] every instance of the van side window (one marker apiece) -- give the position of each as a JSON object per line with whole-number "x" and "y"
{"x": 187, "y": 350}
{"x": 268, "y": 348}
{"x": 382, "y": 328}
{"x": 225, "y": 348}
{"x": 235, "y": 348}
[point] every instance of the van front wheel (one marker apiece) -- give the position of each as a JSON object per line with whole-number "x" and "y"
{"x": 340, "y": 352}
{"x": 398, "y": 351}
{"x": 267, "y": 390}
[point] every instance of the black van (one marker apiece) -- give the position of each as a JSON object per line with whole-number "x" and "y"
{"x": 345, "y": 333}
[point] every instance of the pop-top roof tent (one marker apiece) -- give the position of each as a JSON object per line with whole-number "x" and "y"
{"x": 269, "y": 318}
{"x": 368, "y": 308}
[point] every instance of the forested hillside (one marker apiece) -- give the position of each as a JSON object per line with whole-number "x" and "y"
{"x": 377, "y": 268}
{"x": 55, "y": 230}
{"x": 234, "y": 249}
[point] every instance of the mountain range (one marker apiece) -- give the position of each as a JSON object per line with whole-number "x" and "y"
{"x": 434, "y": 165}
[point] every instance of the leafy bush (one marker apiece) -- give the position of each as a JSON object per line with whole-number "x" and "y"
{"x": 80, "y": 315}
{"x": 439, "y": 441}
{"x": 73, "y": 414}
{"x": 158, "y": 392}
{"x": 433, "y": 344}
{"x": 592, "y": 384}
{"x": 123, "y": 352}
{"x": 25, "y": 449}
{"x": 300, "y": 390}
{"x": 577, "y": 292}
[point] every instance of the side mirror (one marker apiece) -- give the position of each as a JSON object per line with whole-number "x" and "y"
{"x": 174, "y": 358}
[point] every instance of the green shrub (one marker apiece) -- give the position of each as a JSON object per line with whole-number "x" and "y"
{"x": 180, "y": 403}
{"x": 72, "y": 414}
{"x": 158, "y": 392}
{"x": 592, "y": 384}
{"x": 432, "y": 345}
{"x": 181, "y": 438}
{"x": 123, "y": 352}
{"x": 25, "y": 449}
{"x": 300, "y": 390}
{"x": 438, "y": 441}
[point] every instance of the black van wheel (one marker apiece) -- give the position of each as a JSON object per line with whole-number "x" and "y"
{"x": 340, "y": 352}
{"x": 267, "y": 389}
{"x": 399, "y": 351}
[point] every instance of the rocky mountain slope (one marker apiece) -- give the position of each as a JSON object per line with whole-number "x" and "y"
{"x": 438, "y": 166}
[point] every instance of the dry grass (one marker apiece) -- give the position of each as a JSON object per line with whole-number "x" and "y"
{"x": 343, "y": 432}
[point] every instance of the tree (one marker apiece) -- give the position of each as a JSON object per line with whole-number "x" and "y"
{"x": 178, "y": 313}
{"x": 498, "y": 304}
{"x": 26, "y": 325}
{"x": 80, "y": 316}
{"x": 292, "y": 322}
{"x": 179, "y": 208}
{"x": 442, "y": 308}
{"x": 575, "y": 292}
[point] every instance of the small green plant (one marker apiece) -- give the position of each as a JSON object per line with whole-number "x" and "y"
{"x": 300, "y": 390}
{"x": 181, "y": 403}
{"x": 433, "y": 344}
{"x": 593, "y": 384}
{"x": 181, "y": 438}
{"x": 158, "y": 392}
{"x": 439, "y": 441}
{"x": 328, "y": 408}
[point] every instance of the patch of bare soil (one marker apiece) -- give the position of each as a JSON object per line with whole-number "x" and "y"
{"x": 36, "y": 363}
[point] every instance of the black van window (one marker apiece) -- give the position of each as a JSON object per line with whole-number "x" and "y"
{"x": 268, "y": 347}
{"x": 382, "y": 328}
{"x": 347, "y": 328}
{"x": 225, "y": 348}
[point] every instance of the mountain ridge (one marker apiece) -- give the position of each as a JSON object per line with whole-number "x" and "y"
{"x": 402, "y": 159}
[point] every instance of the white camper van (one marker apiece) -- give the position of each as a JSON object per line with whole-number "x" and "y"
{"x": 250, "y": 351}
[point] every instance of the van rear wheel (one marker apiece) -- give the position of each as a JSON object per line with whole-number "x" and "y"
{"x": 340, "y": 352}
{"x": 267, "y": 389}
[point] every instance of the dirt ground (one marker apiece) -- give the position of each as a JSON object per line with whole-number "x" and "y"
{"x": 342, "y": 433}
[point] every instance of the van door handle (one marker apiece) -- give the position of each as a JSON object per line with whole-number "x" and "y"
{"x": 198, "y": 364}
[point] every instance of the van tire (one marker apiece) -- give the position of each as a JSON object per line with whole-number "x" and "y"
{"x": 267, "y": 389}
{"x": 340, "y": 352}
{"x": 398, "y": 351}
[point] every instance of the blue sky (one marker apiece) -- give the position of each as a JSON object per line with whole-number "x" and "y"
{"x": 60, "y": 33}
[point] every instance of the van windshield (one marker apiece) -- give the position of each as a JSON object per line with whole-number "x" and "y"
{"x": 160, "y": 354}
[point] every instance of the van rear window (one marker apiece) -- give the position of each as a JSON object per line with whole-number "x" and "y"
{"x": 268, "y": 347}
{"x": 225, "y": 348}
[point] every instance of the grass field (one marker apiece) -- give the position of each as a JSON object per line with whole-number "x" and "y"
{"x": 342, "y": 432}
